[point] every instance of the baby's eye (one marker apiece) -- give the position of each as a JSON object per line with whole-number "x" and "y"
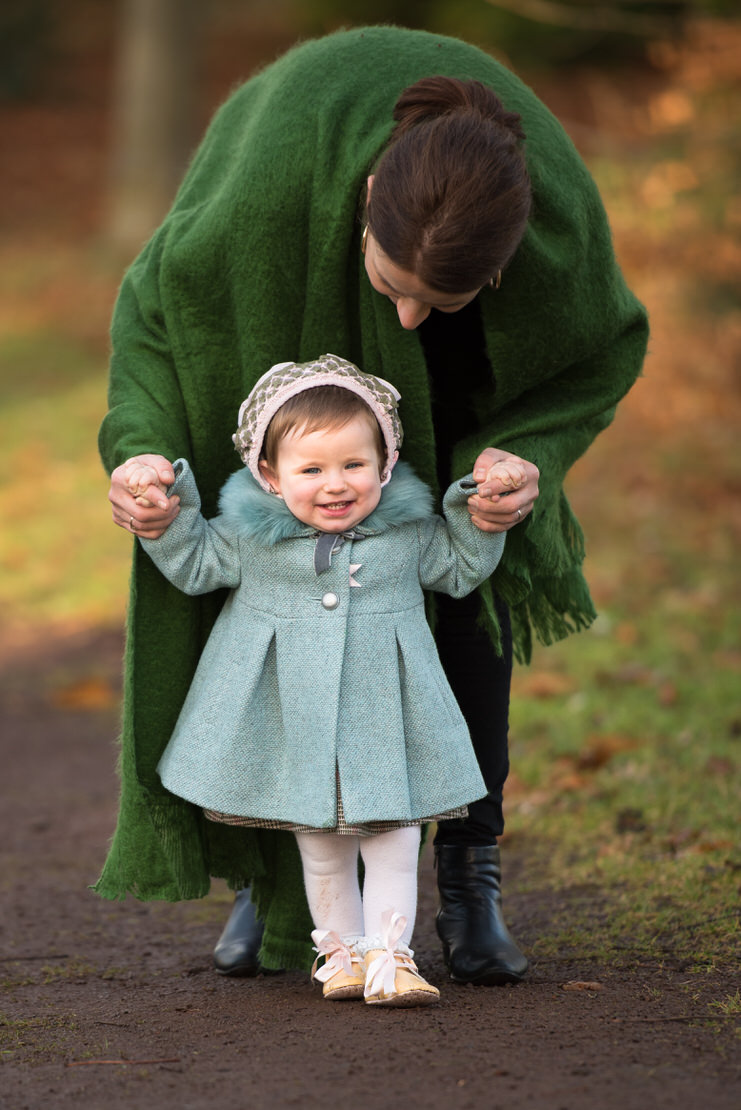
{"x": 310, "y": 470}
{"x": 353, "y": 465}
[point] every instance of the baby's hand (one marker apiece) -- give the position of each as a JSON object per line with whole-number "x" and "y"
{"x": 510, "y": 473}
{"x": 507, "y": 487}
{"x": 139, "y": 477}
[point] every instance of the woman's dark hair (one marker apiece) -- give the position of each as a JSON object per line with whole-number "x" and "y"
{"x": 451, "y": 194}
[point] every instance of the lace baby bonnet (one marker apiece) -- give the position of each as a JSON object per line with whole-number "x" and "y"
{"x": 286, "y": 379}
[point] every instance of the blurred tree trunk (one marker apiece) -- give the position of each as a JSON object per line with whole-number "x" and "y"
{"x": 154, "y": 113}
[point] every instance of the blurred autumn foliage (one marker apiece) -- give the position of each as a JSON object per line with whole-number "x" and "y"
{"x": 666, "y": 149}
{"x": 661, "y": 131}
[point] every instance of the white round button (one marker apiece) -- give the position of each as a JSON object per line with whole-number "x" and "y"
{"x": 330, "y": 601}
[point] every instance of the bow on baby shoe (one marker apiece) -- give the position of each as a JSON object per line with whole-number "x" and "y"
{"x": 380, "y": 975}
{"x": 338, "y": 955}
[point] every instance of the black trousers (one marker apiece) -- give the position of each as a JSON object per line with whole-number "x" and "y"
{"x": 459, "y": 373}
{"x": 480, "y": 680}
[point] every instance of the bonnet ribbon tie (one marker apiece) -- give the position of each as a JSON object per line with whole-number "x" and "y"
{"x": 380, "y": 977}
{"x": 326, "y": 545}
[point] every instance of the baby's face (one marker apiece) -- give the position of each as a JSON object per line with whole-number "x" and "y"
{"x": 329, "y": 479}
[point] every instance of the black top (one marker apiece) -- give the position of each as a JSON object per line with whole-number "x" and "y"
{"x": 451, "y": 342}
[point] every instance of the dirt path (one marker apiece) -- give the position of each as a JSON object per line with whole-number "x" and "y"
{"x": 87, "y": 982}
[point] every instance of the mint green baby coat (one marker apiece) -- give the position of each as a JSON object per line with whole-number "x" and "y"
{"x": 312, "y": 679}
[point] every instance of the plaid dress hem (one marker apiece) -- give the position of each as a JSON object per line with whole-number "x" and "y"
{"x": 342, "y": 828}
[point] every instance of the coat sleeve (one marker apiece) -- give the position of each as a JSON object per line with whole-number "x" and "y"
{"x": 195, "y": 554}
{"x": 146, "y": 410}
{"x": 455, "y": 555}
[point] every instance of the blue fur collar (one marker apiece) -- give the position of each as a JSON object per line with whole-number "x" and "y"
{"x": 263, "y": 517}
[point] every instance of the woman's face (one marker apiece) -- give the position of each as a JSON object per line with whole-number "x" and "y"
{"x": 413, "y": 299}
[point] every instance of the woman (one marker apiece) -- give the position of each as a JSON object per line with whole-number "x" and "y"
{"x": 472, "y": 270}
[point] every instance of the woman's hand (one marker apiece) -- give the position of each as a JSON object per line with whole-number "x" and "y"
{"x": 508, "y": 487}
{"x": 143, "y": 510}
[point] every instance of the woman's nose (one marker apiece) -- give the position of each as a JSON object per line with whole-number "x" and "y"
{"x": 411, "y": 313}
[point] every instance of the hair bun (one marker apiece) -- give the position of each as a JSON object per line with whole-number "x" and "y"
{"x": 439, "y": 96}
{"x": 451, "y": 192}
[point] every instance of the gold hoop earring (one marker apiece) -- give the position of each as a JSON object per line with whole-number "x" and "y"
{"x": 496, "y": 283}
{"x": 364, "y": 239}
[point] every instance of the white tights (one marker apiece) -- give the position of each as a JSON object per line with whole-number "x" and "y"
{"x": 330, "y": 864}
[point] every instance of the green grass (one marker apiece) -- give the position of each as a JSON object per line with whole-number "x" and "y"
{"x": 37, "y": 1039}
{"x": 731, "y": 1005}
{"x": 61, "y": 559}
{"x": 625, "y": 751}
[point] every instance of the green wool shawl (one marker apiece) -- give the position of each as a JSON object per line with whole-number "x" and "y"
{"x": 259, "y": 262}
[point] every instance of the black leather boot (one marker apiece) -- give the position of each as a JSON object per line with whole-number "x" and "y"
{"x": 477, "y": 946}
{"x": 238, "y": 946}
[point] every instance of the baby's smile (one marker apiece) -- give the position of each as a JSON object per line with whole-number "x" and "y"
{"x": 341, "y": 464}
